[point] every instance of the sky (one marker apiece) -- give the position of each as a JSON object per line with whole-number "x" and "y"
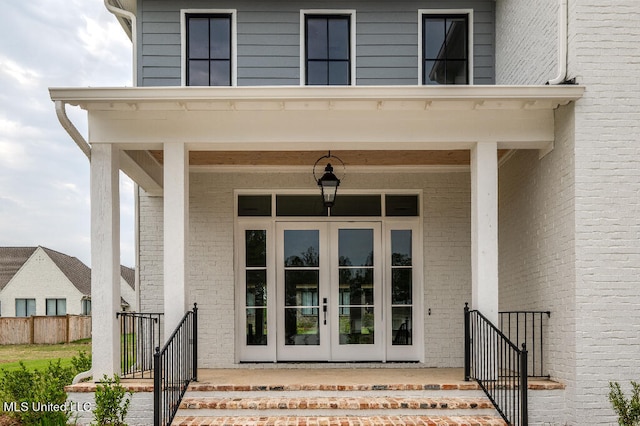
{"x": 44, "y": 176}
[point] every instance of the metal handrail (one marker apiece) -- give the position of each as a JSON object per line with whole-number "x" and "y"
{"x": 175, "y": 366}
{"x": 499, "y": 367}
{"x": 139, "y": 336}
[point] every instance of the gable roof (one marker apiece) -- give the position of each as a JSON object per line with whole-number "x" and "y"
{"x": 11, "y": 260}
{"x": 79, "y": 274}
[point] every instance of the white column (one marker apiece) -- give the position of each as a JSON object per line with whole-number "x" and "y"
{"x": 176, "y": 225}
{"x": 484, "y": 229}
{"x": 105, "y": 260}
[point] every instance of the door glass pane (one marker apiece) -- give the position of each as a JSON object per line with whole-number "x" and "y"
{"x": 301, "y": 288}
{"x": 256, "y": 248}
{"x": 355, "y": 247}
{"x": 356, "y": 286}
{"x": 401, "y": 286}
{"x": 301, "y": 326}
{"x": 401, "y": 248}
{"x": 301, "y": 248}
{"x": 356, "y": 326}
{"x": 256, "y": 326}
{"x": 401, "y": 325}
{"x": 257, "y": 288}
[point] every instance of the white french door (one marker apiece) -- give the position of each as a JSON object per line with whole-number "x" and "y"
{"x": 329, "y": 291}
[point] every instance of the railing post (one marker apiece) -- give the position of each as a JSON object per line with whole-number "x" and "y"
{"x": 157, "y": 385}
{"x": 467, "y": 343}
{"x": 195, "y": 342}
{"x": 524, "y": 406}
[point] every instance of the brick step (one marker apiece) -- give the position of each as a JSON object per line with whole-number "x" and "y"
{"x": 339, "y": 421}
{"x": 333, "y": 402}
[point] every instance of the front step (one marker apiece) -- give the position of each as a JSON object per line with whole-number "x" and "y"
{"x": 341, "y": 421}
{"x": 334, "y": 406}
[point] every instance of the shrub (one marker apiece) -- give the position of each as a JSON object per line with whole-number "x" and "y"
{"x": 628, "y": 410}
{"x": 112, "y": 402}
{"x": 34, "y": 391}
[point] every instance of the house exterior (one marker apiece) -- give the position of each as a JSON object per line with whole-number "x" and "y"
{"x": 41, "y": 281}
{"x": 469, "y": 172}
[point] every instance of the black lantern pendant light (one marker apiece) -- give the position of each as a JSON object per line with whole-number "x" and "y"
{"x": 329, "y": 182}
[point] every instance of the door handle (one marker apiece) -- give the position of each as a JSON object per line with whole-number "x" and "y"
{"x": 324, "y": 309}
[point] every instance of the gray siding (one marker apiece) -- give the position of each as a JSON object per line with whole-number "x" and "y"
{"x": 268, "y": 39}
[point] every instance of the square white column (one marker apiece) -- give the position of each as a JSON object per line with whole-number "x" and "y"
{"x": 105, "y": 260}
{"x": 176, "y": 226}
{"x": 484, "y": 229}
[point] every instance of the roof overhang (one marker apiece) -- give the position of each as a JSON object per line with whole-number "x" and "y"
{"x": 306, "y": 118}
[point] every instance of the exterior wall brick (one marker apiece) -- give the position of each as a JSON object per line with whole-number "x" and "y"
{"x": 604, "y": 56}
{"x": 446, "y": 230}
{"x": 140, "y": 410}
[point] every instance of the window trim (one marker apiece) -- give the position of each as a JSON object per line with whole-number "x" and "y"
{"x": 183, "y": 40}
{"x": 421, "y": 14}
{"x": 351, "y": 13}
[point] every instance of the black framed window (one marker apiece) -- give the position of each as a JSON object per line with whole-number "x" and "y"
{"x": 445, "y": 49}
{"x": 25, "y": 307}
{"x": 56, "y": 307}
{"x": 328, "y": 49}
{"x": 209, "y": 50}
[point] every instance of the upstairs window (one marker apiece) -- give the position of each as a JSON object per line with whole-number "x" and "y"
{"x": 445, "y": 49}
{"x": 209, "y": 49}
{"x": 328, "y": 52}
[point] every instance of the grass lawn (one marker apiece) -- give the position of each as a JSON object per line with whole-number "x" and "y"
{"x": 38, "y": 356}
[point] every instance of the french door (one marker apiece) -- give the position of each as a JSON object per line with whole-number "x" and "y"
{"x": 329, "y": 291}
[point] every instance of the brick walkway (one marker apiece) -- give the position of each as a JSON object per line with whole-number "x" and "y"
{"x": 341, "y": 421}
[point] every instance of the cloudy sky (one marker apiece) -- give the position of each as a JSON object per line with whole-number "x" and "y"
{"x": 44, "y": 177}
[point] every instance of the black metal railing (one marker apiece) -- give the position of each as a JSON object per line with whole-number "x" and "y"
{"x": 139, "y": 336}
{"x": 175, "y": 366}
{"x": 499, "y": 367}
{"x": 529, "y": 328}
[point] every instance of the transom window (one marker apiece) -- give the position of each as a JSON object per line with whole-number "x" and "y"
{"x": 445, "y": 49}
{"x": 347, "y": 205}
{"x": 209, "y": 49}
{"x": 328, "y": 49}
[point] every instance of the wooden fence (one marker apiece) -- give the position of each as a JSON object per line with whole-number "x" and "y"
{"x": 44, "y": 329}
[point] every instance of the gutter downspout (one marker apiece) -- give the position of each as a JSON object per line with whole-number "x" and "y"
{"x": 61, "y": 112}
{"x": 563, "y": 41}
{"x": 125, "y": 14}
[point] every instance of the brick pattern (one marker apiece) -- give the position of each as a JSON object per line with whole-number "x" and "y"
{"x": 341, "y": 421}
{"x": 336, "y": 403}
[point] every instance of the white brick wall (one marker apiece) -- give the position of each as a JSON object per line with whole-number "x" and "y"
{"x": 140, "y": 409}
{"x": 604, "y": 56}
{"x": 526, "y": 40}
{"x": 211, "y": 282}
{"x": 605, "y": 46}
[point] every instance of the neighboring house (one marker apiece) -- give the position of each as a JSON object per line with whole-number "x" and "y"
{"x": 41, "y": 281}
{"x": 466, "y": 178}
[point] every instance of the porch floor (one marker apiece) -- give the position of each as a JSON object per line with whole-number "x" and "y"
{"x": 323, "y": 376}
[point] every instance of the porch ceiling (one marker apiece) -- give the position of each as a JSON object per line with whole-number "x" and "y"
{"x": 306, "y": 158}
